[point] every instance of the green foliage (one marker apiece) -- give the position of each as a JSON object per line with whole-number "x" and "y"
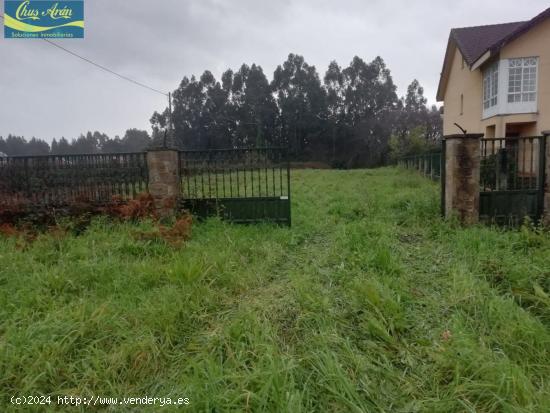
{"x": 302, "y": 103}
{"x": 134, "y": 140}
{"x": 370, "y": 302}
{"x": 345, "y": 121}
{"x": 413, "y": 143}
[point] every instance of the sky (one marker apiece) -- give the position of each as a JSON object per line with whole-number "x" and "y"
{"x": 47, "y": 93}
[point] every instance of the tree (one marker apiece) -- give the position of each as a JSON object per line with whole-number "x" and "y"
{"x": 19, "y": 146}
{"x": 213, "y": 121}
{"x": 347, "y": 120}
{"x": 135, "y": 140}
{"x": 15, "y": 145}
{"x": 302, "y": 105}
{"x": 334, "y": 81}
{"x": 63, "y": 147}
{"x": 414, "y": 115}
{"x": 188, "y": 114}
{"x": 239, "y": 111}
{"x": 415, "y": 100}
{"x": 369, "y": 100}
{"x": 37, "y": 147}
{"x": 414, "y": 143}
{"x": 253, "y": 108}
{"x": 434, "y": 125}
{"x": 159, "y": 121}
{"x": 85, "y": 144}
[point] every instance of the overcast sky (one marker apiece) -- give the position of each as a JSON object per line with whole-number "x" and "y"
{"x": 47, "y": 93}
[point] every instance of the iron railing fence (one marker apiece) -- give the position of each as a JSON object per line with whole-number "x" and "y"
{"x": 428, "y": 164}
{"x": 509, "y": 164}
{"x": 512, "y": 179}
{"x": 66, "y": 179}
{"x": 234, "y": 173}
{"x": 243, "y": 185}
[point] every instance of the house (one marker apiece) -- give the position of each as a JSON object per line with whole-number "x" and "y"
{"x": 496, "y": 79}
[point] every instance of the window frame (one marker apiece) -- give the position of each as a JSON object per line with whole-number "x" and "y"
{"x": 490, "y": 86}
{"x": 522, "y": 80}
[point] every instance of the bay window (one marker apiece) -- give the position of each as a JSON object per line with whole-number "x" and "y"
{"x": 522, "y": 80}
{"x": 510, "y": 86}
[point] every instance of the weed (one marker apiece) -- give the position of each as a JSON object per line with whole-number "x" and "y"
{"x": 370, "y": 302}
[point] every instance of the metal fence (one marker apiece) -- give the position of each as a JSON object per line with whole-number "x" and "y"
{"x": 242, "y": 185}
{"x": 429, "y": 164}
{"x": 510, "y": 164}
{"x": 512, "y": 178}
{"x": 66, "y": 179}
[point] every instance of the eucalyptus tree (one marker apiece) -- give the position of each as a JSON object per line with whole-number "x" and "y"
{"x": 302, "y": 105}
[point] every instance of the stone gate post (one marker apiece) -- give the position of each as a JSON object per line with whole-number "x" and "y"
{"x": 164, "y": 180}
{"x": 462, "y": 167}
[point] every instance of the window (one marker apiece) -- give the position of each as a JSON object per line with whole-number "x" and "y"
{"x": 522, "y": 80}
{"x": 461, "y": 104}
{"x": 490, "y": 86}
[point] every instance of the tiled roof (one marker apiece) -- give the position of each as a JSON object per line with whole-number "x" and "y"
{"x": 476, "y": 40}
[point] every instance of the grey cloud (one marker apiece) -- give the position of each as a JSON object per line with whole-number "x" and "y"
{"x": 47, "y": 93}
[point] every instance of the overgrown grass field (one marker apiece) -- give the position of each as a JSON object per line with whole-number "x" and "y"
{"x": 369, "y": 303}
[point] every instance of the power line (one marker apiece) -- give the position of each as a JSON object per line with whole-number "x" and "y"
{"x": 102, "y": 67}
{"x": 105, "y": 68}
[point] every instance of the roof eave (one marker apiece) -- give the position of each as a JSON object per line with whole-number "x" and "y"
{"x": 481, "y": 60}
{"x": 521, "y": 30}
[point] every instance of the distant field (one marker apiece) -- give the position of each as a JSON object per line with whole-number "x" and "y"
{"x": 370, "y": 302}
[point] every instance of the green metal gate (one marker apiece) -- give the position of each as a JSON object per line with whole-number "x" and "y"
{"x": 240, "y": 185}
{"x": 512, "y": 179}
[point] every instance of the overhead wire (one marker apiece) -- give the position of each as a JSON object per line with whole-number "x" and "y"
{"x": 99, "y": 66}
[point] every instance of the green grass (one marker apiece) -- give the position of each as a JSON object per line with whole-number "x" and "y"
{"x": 370, "y": 302}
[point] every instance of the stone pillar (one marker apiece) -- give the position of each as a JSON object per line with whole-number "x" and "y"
{"x": 462, "y": 166}
{"x": 546, "y": 177}
{"x": 164, "y": 180}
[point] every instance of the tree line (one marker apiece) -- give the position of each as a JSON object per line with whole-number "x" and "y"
{"x": 134, "y": 140}
{"x": 351, "y": 118}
